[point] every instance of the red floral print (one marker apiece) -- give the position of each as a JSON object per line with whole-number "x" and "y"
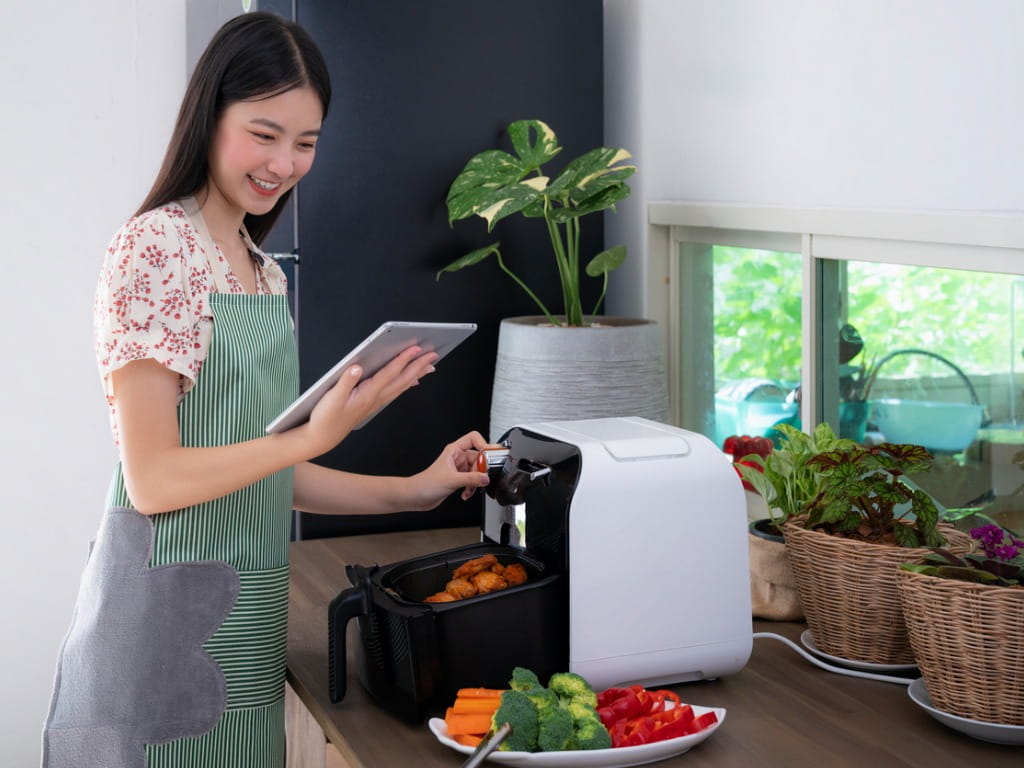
{"x": 151, "y": 299}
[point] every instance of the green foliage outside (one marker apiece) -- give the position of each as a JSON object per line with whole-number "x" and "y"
{"x": 963, "y": 316}
{"x": 757, "y": 308}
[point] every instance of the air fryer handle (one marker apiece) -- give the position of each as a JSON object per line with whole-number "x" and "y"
{"x": 350, "y": 603}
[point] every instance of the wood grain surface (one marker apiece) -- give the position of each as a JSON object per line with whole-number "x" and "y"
{"x": 781, "y": 709}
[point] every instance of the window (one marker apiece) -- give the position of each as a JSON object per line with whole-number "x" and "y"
{"x": 904, "y": 327}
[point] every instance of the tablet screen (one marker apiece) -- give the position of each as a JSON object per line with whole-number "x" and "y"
{"x": 373, "y": 353}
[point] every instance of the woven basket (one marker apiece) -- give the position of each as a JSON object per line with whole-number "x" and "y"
{"x": 969, "y": 643}
{"x": 848, "y": 591}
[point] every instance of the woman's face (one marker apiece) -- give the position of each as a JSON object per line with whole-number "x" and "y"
{"x": 261, "y": 148}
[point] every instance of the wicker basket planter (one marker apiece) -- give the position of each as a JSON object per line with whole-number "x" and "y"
{"x": 969, "y": 643}
{"x": 848, "y": 591}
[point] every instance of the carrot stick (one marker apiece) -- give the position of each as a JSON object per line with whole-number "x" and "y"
{"x": 475, "y": 723}
{"x": 478, "y": 693}
{"x": 469, "y": 740}
{"x": 482, "y": 704}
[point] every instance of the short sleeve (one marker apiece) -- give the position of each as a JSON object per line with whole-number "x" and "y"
{"x": 145, "y": 305}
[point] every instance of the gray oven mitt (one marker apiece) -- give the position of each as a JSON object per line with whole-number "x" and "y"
{"x": 132, "y": 670}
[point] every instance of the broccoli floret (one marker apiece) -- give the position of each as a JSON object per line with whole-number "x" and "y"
{"x": 519, "y": 711}
{"x": 590, "y": 733}
{"x": 572, "y": 687}
{"x": 543, "y": 699}
{"x": 588, "y": 730}
{"x": 523, "y": 679}
{"x": 557, "y": 731}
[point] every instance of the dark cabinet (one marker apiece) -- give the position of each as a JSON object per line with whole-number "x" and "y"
{"x": 418, "y": 87}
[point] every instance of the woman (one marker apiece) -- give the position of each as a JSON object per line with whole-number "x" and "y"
{"x": 175, "y": 656}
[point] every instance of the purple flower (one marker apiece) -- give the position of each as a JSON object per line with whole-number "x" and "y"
{"x": 996, "y": 542}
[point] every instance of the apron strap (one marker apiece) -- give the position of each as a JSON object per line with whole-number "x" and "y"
{"x": 218, "y": 264}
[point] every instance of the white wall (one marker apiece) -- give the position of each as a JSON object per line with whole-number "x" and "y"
{"x": 883, "y": 104}
{"x": 90, "y": 91}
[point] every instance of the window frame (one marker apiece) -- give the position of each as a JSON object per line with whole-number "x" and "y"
{"x": 676, "y": 285}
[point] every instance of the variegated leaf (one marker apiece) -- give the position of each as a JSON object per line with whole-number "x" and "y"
{"x": 537, "y": 152}
{"x": 493, "y": 168}
{"x": 599, "y": 202}
{"x": 495, "y": 204}
{"x": 469, "y": 259}
{"x": 588, "y": 174}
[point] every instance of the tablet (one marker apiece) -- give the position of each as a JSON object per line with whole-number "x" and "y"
{"x": 376, "y": 351}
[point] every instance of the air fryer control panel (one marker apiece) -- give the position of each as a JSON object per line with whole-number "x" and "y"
{"x": 528, "y": 500}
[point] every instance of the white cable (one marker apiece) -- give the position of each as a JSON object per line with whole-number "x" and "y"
{"x": 838, "y": 670}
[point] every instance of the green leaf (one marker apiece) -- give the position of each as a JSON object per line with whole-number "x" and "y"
{"x": 927, "y": 515}
{"x": 604, "y": 200}
{"x": 493, "y": 205}
{"x": 491, "y": 169}
{"x": 542, "y": 148}
{"x": 760, "y": 483}
{"x": 607, "y": 261}
{"x": 469, "y": 259}
{"x": 905, "y": 537}
{"x": 591, "y": 173}
{"x": 928, "y": 570}
{"x": 966, "y": 574}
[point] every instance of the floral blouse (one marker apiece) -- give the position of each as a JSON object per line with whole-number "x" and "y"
{"x": 152, "y": 297}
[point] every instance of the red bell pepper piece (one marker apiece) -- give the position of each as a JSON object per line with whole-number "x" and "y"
{"x": 704, "y": 721}
{"x": 635, "y": 716}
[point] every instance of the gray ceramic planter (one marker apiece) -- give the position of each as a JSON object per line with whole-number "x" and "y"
{"x": 545, "y": 373}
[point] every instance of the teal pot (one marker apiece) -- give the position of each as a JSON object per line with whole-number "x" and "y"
{"x": 547, "y": 373}
{"x": 853, "y": 419}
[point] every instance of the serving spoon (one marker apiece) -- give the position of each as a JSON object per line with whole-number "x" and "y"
{"x": 485, "y": 747}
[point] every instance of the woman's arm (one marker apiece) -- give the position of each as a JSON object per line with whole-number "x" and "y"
{"x": 161, "y": 475}
{"x": 330, "y": 491}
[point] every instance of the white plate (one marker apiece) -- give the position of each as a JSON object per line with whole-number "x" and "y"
{"x": 994, "y": 732}
{"x": 617, "y": 757}
{"x": 867, "y": 666}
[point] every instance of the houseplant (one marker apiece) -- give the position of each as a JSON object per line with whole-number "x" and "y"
{"x": 569, "y": 365}
{"x": 964, "y": 615}
{"x": 787, "y": 482}
{"x": 495, "y": 184}
{"x": 845, "y": 549}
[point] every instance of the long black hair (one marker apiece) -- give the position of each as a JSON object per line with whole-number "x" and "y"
{"x": 255, "y": 55}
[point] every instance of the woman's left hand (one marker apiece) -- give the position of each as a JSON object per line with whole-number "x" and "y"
{"x": 452, "y": 470}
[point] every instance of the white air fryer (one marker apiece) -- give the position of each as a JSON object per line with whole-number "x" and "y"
{"x": 649, "y": 523}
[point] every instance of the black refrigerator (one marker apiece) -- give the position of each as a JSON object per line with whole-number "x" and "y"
{"x": 419, "y": 86}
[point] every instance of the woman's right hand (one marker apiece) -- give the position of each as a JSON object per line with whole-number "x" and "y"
{"x": 350, "y": 402}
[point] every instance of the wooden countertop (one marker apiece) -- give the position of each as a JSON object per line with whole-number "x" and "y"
{"x": 782, "y": 710}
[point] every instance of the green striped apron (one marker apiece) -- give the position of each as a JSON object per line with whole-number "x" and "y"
{"x": 249, "y": 376}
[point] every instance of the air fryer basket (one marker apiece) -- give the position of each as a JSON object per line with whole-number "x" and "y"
{"x": 415, "y": 580}
{"x": 414, "y": 656}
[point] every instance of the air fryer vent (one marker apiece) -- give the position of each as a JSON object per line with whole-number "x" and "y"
{"x": 398, "y": 640}
{"x": 372, "y": 643}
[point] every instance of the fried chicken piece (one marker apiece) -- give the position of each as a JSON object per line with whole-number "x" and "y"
{"x": 474, "y": 566}
{"x": 460, "y": 588}
{"x": 498, "y": 568}
{"x": 488, "y": 581}
{"x": 440, "y": 597}
{"x": 515, "y": 573}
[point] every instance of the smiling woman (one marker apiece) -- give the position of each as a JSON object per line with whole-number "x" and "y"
{"x": 176, "y": 652}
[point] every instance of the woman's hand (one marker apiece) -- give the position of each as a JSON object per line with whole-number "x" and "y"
{"x": 350, "y": 402}
{"x": 452, "y": 470}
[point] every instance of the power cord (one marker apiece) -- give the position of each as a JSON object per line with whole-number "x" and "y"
{"x": 830, "y": 667}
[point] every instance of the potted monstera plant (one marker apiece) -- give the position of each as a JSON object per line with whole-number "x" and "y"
{"x": 846, "y": 547}
{"x": 572, "y": 364}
